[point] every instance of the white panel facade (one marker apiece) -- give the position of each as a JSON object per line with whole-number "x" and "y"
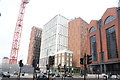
{"x": 54, "y": 37}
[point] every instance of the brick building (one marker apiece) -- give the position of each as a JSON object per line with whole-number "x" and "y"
{"x": 34, "y": 45}
{"x": 77, "y": 39}
{"x": 63, "y": 57}
{"x": 103, "y": 42}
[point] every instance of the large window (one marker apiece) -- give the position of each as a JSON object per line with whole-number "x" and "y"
{"x": 109, "y": 19}
{"x": 93, "y": 49}
{"x": 92, "y": 29}
{"x": 111, "y": 43}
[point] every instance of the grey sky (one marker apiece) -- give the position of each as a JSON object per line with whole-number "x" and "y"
{"x": 38, "y": 13}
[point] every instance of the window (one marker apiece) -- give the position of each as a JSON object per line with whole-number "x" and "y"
{"x": 67, "y": 54}
{"x": 111, "y": 43}
{"x": 93, "y": 48}
{"x": 101, "y": 56}
{"x": 70, "y": 63}
{"x": 109, "y": 19}
{"x": 67, "y": 64}
{"x": 71, "y": 59}
{"x": 63, "y": 59}
{"x": 67, "y": 58}
{"x": 92, "y": 29}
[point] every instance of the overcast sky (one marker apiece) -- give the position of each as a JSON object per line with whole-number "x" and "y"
{"x": 38, "y": 13}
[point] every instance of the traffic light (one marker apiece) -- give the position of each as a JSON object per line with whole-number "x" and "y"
{"x": 20, "y": 63}
{"x": 81, "y": 61}
{"x": 47, "y": 67}
{"x": 89, "y": 59}
{"x": 34, "y": 64}
{"x": 51, "y": 60}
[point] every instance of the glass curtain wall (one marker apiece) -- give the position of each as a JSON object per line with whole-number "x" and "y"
{"x": 111, "y": 43}
{"x": 93, "y": 48}
{"x": 54, "y": 36}
{"x": 62, "y": 34}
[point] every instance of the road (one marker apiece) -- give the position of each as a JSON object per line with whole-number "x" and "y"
{"x": 58, "y": 79}
{"x": 16, "y": 79}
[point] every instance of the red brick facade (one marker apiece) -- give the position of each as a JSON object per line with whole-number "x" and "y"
{"x": 77, "y": 38}
{"x": 93, "y": 23}
{"x": 109, "y": 12}
{"x": 101, "y": 41}
{"x": 34, "y": 45}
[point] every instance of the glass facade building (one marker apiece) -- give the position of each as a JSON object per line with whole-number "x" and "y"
{"x": 54, "y": 37}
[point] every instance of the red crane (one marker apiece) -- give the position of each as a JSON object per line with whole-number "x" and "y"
{"x": 17, "y": 34}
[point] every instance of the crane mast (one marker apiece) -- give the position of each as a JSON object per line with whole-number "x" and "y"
{"x": 17, "y": 34}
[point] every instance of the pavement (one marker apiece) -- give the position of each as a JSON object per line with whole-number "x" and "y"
{"x": 92, "y": 76}
{"x": 75, "y": 77}
{"x": 95, "y": 76}
{"x": 25, "y": 76}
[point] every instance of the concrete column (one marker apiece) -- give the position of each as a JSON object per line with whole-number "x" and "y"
{"x": 101, "y": 69}
{"x": 104, "y": 68}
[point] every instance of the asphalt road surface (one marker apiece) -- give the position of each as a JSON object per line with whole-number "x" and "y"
{"x": 58, "y": 79}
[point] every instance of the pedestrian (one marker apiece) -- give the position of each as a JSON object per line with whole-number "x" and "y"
{"x": 109, "y": 75}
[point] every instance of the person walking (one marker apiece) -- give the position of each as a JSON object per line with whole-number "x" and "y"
{"x": 109, "y": 75}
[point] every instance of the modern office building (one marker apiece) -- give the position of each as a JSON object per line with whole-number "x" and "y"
{"x": 34, "y": 45}
{"x": 103, "y": 42}
{"x": 54, "y": 38}
{"x": 77, "y": 39}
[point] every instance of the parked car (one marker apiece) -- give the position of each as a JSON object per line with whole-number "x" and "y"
{"x": 15, "y": 73}
{"x": 57, "y": 75}
{"x": 69, "y": 75}
{"x": 6, "y": 74}
{"x": 52, "y": 74}
{"x": 118, "y": 77}
{"x": 42, "y": 77}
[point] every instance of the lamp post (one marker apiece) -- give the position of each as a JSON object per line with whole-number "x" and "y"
{"x": 84, "y": 64}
